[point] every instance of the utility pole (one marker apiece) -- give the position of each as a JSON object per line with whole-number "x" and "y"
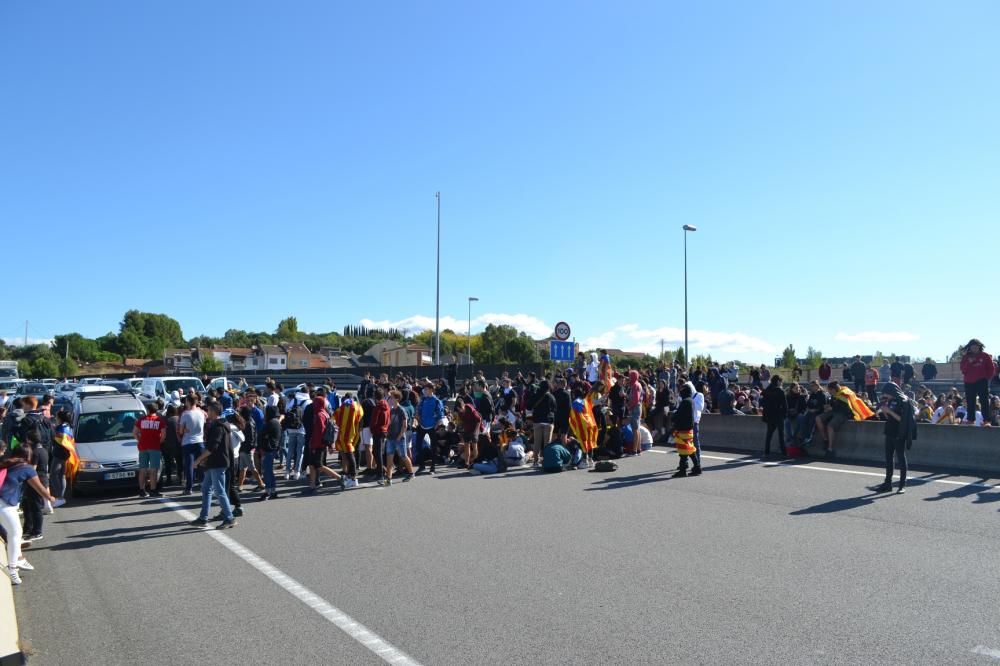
{"x": 437, "y": 301}
{"x": 661, "y": 349}
{"x": 26, "y": 333}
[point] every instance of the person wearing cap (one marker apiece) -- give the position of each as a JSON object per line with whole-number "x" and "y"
{"x": 900, "y": 430}
{"x": 215, "y": 460}
{"x": 149, "y": 433}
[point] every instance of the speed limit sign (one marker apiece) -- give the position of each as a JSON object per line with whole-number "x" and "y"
{"x": 562, "y": 331}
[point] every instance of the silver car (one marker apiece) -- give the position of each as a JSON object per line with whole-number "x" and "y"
{"x": 109, "y": 454}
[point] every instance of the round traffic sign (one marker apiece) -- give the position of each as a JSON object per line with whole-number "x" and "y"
{"x": 562, "y": 331}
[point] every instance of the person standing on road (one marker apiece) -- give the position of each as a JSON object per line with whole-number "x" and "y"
{"x": 215, "y": 459}
{"x": 170, "y": 450}
{"x": 295, "y": 434}
{"x": 396, "y": 439}
{"x": 65, "y": 461}
{"x": 978, "y": 368}
{"x": 347, "y": 419}
{"x": 564, "y": 405}
{"x": 683, "y": 425}
{"x": 859, "y": 373}
{"x": 774, "y": 403}
{"x": 245, "y": 461}
{"x": 19, "y": 471}
{"x": 471, "y": 422}
{"x": 192, "y": 432}
{"x": 542, "y": 416}
{"x": 379, "y": 428}
{"x": 317, "y": 445}
{"x": 429, "y": 414}
{"x": 268, "y": 442}
{"x": 900, "y": 430}
{"x": 149, "y": 432}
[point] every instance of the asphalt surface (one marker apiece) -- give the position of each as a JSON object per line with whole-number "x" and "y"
{"x": 749, "y": 563}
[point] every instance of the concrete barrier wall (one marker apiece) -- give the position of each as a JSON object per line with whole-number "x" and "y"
{"x": 10, "y": 644}
{"x": 955, "y": 448}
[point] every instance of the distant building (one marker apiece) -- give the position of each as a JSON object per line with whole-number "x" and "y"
{"x": 391, "y": 353}
{"x": 298, "y": 355}
{"x": 178, "y": 361}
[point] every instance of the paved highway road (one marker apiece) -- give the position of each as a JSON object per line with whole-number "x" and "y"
{"x": 750, "y": 563}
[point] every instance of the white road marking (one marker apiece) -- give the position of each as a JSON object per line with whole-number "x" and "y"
{"x": 986, "y": 652}
{"x": 357, "y": 631}
{"x": 817, "y": 468}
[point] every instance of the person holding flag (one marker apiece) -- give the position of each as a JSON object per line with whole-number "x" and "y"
{"x": 683, "y": 431}
{"x": 844, "y": 406}
{"x": 65, "y": 461}
{"x": 583, "y": 425}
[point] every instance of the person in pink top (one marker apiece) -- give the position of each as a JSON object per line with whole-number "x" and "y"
{"x": 635, "y": 397}
{"x": 978, "y": 368}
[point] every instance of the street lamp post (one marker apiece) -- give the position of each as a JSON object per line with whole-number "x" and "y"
{"x": 687, "y": 228}
{"x": 469, "y": 337}
{"x": 437, "y": 297}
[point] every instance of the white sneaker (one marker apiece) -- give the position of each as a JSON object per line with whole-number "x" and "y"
{"x": 15, "y": 578}
{"x": 295, "y": 476}
{"x": 351, "y": 483}
{"x": 287, "y": 476}
{"x": 48, "y": 508}
{"x": 24, "y": 564}
{"x": 58, "y": 503}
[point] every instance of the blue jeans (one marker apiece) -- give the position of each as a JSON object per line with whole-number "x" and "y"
{"x": 795, "y": 426}
{"x": 267, "y": 469}
{"x": 215, "y": 483}
{"x": 296, "y": 449}
{"x": 634, "y": 417}
{"x": 190, "y": 453}
{"x": 283, "y": 447}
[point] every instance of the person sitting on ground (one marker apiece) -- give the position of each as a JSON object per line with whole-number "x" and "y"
{"x": 555, "y": 458}
{"x": 515, "y": 454}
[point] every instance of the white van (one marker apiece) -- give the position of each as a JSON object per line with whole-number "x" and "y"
{"x": 162, "y": 387}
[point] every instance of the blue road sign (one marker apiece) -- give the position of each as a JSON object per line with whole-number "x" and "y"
{"x": 561, "y": 351}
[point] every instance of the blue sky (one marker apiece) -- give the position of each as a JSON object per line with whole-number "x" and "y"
{"x": 230, "y": 163}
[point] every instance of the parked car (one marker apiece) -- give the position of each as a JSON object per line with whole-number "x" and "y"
{"x": 68, "y": 388}
{"x": 103, "y": 423}
{"x": 36, "y": 389}
{"x": 136, "y": 383}
{"x": 117, "y": 384}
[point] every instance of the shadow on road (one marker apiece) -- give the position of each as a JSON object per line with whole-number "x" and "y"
{"x": 118, "y": 537}
{"x": 616, "y": 482}
{"x": 837, "y": 505}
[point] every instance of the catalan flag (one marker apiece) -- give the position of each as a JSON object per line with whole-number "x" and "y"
{"x": 348, "y": 420}
{"x": 858, "y": 407}
{"x": 583, "y": 425}
{"x": 684, "y": 440}
{"x": 64, "y": 438}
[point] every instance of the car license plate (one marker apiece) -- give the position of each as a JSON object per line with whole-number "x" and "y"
{"x": 119, "y": 475}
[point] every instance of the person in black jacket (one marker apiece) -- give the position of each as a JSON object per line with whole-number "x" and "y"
{"x": 900, "y": 430}
{"x": 929, "y": 371}
{"x": 563, "y": 407}
{"x": 215, "y": 460}
{"x": 682, "y": 423}
{"x": 795, "y": 419}
{"x": 542, "y": 415}
{"x": 774, "y": 404}
{"x": 269, "y": 440}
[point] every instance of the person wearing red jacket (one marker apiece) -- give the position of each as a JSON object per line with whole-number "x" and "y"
{"x": 318, "y": 448}
{"x": 978, "y": 368}
{"x": 471, "y": 423}
{"x": 380, "y": 428}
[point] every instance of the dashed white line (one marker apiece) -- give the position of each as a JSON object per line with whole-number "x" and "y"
{"x": 357, "y": 631}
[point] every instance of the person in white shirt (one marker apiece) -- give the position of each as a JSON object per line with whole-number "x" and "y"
{"x": 592, "y": 368}
{"x": 699, "y": 408}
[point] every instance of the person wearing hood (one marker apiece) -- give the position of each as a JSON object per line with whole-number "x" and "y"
{"x": 295, "y": 434}
{"x": 900, "y": 431}
{"x": 317, "y": 445}
{"x": 542, "y": 414}
{"x": 683, "y": 424}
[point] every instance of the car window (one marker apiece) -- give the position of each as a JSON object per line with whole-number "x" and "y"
{"x": 107, "y": 426}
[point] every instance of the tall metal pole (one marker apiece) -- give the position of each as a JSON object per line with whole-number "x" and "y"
{"x": 437, "y": 298}
{"x": 687, "y": 358}
{"x": 469, "y": 337}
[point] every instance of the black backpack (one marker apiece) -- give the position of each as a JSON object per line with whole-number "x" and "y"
{"x": 293, "y": 419}
{"x": 33, "y": 421}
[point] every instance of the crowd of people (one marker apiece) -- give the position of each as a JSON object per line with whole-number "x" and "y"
{"x": 395, "y": 428}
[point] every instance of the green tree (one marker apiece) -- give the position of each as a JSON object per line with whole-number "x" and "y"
{"x": 288, "y": 329}
{"x": 68, "y": 367}
{"x": 44, "y": 366}
{"x": 146, "y": 335}
{"x": 208, "y": 365}
{"x": 957, "y": 355}
{"x": 680, "y": 357}
{"x": 24, "y": 368}
{"x": 814, "y": 358}
{"x": 788, "y": 357}
{"x": 80, "y": 348}
{"x": 877, "y": 359}
{"x": 234, "y": 337}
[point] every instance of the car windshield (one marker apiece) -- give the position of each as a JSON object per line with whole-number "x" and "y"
{"x": 28, "y": 389}
{"x": 182, "y": 384}
{"x": 106, "y": 426}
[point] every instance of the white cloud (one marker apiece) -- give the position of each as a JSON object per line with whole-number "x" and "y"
{"x": 630, "y": 337}
{"x": 533, "y": 326}
{"x": 19, "y": 341}
{"x": 877, "y": 336}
